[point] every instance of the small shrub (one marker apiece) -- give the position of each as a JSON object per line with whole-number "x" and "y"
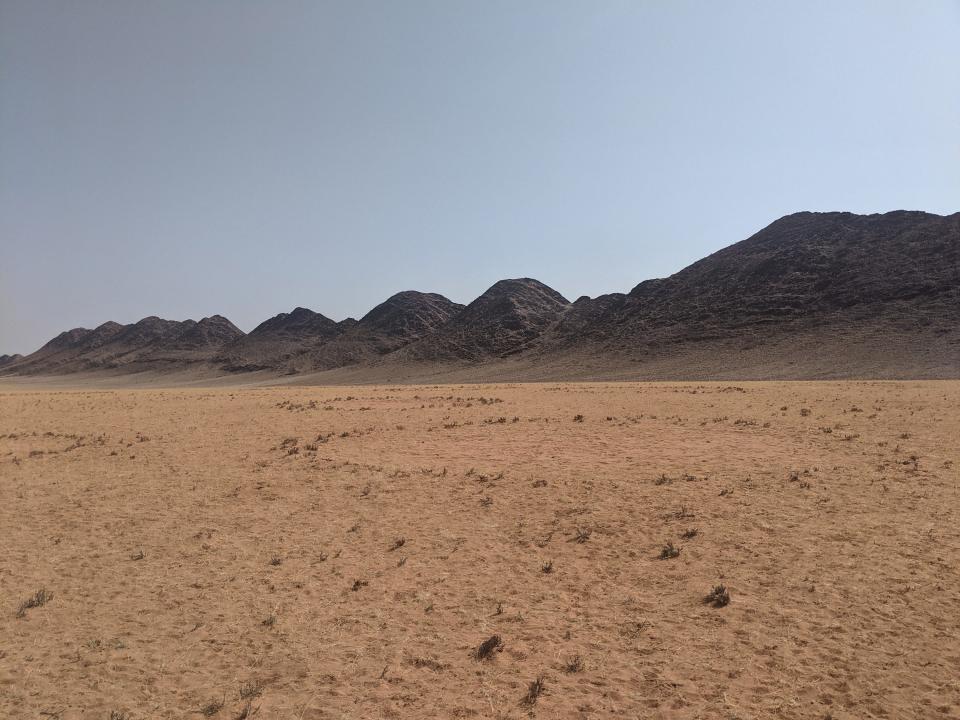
{"x": 718, "y": 597}
{"x": 488, "y": 647}
{"x": 690, "y": 533}
{"x": 573, "y": 665}
{"x": 534, "y": 691}
{"x": 578, "y": 418}
{"x": 40, "y": 598}
{"x": 212, "y": 707}
{"x": 547, "y": 567}
{"x": 398, "y": 543}
{"x": 669, "y": 551}
{"x": 582, "y": 535}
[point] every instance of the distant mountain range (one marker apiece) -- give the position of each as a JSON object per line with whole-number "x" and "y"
{"x": 813, "y": 295}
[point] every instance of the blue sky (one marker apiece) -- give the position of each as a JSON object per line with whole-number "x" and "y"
{"x": 190, "y": 157}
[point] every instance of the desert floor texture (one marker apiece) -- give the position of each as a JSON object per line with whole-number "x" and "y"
{"x": 343, "y": 552}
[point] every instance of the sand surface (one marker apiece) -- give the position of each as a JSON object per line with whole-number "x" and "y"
{"x": 342, "y": 552}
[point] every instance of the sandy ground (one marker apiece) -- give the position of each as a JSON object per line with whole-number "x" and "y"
{"x": 342, "y": 552}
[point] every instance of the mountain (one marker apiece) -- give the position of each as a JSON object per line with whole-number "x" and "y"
{"x": 409, "y": 315}
{"x": 807, "y": 270}
{"x": 283, "y": 342}
{"x": 507, "y": 319}
{"x": 9, "y": 359}
{"x": 810, "y": 295}
{"x": 304, "y": 340}
{"x": 149, "y": 344}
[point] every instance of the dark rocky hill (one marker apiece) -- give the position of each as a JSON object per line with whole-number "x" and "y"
{"x": 282, "y": 343}
{"x": 149, "y": 344}
{"x": 507, "y": 319}
{"x": 896, "y": 272}
{"x": 303, "y": 340}
{"x": 409, "y": 315}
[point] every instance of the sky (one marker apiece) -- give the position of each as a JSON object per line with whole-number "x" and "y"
{"x": 183, "y": 158}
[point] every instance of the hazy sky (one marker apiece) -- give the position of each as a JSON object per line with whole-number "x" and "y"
{"x": 186, "y": 157}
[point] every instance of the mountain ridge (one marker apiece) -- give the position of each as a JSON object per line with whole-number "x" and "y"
{"x": 870, "y": 278}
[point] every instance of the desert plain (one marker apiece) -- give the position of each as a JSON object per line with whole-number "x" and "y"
{"x": 344, "y": 552}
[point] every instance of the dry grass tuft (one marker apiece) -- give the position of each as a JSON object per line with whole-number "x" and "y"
{"x": 669, "y": 551}
{"x": 212, "y": 707}
{"x": 582, "y": 535}
{"x": 488, "y": 647}
{"x": 534, "y": 691}
{"x": 718, "y": 597}
{"x": 40, "y": 598}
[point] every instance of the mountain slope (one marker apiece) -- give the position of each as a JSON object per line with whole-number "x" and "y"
{"x": 897, "y": 271}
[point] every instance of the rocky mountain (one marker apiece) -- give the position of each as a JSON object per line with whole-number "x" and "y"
{"x": 900, "y": 270}
{"x": 283, "y": 342}
{"x": 810, "y": 295}
{"x": 507, "y": 319}
{"x": 409, "y": 315}
{"x": 9, "y": 359}
{"x": 151, "y": 343}
{"x": 304, "y": 340}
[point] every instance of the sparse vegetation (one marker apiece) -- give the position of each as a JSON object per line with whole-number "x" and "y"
{"x": 250, "y": 689}
{"x": 534, "y": 690}
{"x": 669, "y": 551}
{"x": 718, "y": 597}
{"x": 40, "y": 598}
{"x": 260, "y": 562}
{"x": 488, "y": 647}
{"x": 212, "y": 707}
